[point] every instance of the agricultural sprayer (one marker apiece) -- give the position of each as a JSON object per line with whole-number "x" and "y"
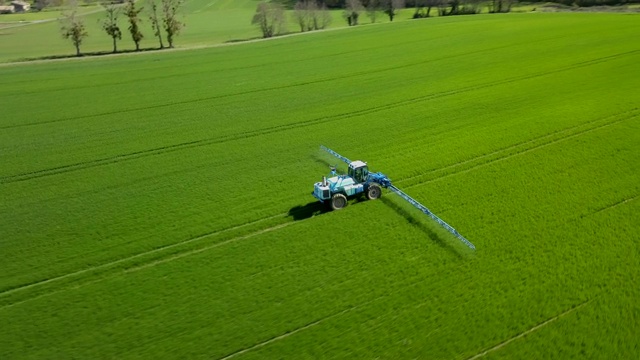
{"x": 335, "y": 190}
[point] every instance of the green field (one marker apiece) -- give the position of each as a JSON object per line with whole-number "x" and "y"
{"x": 159, "y": 205}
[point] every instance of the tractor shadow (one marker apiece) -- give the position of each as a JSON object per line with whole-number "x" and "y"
{"x": 312, "y": 209}
{"x": 316, "y": 208}
{"x": 413, "y": 220}
{"x": 302, "y": 212}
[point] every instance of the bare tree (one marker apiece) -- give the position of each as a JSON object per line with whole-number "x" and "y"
{"x": 459, "y": 7}
{"x": 442, "y": 6}
{"x": 319, "y": 15}
{"x": 134, "y": 21}
{"x": 310, "y": 15}
{"x": 110, "y": 22}
{"x": 372, "y": 10}
{"x": 155, "y": 21}
{"x": 472, "y": 6}
{"x": 420, "y": 6}
{"x": 324, "y": 16}
{"x": 301, "y": 14}
{"x": 500, "y": 6}
{"x": 391, "y": 7}
{"x": 72, "y": 27}
{"x": 352, "y": 10}
{"x": 431, "y": 4}
{"x": 172, "y": 25}
{"x": 270, "y": 18}
{"x": 313, "y": 17}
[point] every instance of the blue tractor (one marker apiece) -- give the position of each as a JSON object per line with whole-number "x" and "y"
{"x": 336, "y": 189}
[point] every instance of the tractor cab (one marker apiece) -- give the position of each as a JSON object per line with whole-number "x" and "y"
{"x": 358, "y": 171}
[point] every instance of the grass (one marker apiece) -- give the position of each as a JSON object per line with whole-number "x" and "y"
{"x": 163, "y": 208}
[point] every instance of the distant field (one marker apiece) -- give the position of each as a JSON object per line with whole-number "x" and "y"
{"x": 159, "y": 205}
{"x": 36, "y": 35}
{"x": 208, "y": 22}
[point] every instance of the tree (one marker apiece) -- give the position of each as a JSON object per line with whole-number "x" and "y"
{"x": 313, "y": 10}
{"x": 172, "y": 25}
{"x": 429, "y": 4}
{"x": 72, "y": 27}
{"x": 352, "y": 10}
{"x": 324, "y": 16}
{"x": 500, "y": 6}
{"x": 391, "y": 7}
{"x": 155, "y": 21}
{"x": 301, "y": 14}
{"x": 432, "y": 3}
{"x": 270, "y": 18}
{"x": 110, "y": 22}
{"x": 372, "y": 9}
{"x": 459, "y": 7}
{"x": 134, "y": 21}
{"x": 310, "y": 15}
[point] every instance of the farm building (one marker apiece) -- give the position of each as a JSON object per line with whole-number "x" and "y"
{"x": 21, "y": 6}
{"x": 7, "y": 9}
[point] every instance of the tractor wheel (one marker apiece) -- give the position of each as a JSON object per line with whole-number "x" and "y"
{"x": 338, "y": 201}
{"x": 373, "y": 192}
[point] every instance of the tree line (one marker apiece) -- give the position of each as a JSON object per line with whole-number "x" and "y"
{"x": 314, "y": 14}
{"x": 162, "y": 14}
{"x": 340, "y": 4}
{"x": 270, "y": 16}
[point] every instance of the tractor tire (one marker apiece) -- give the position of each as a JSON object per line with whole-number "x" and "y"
{"x": 373, "y": 192}
{"x": 338, "y": 201}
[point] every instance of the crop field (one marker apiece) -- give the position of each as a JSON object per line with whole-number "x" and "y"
{"x": 159, "y": 206}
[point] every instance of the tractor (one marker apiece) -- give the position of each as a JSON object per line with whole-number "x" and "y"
{"x": 336, "y": 189}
